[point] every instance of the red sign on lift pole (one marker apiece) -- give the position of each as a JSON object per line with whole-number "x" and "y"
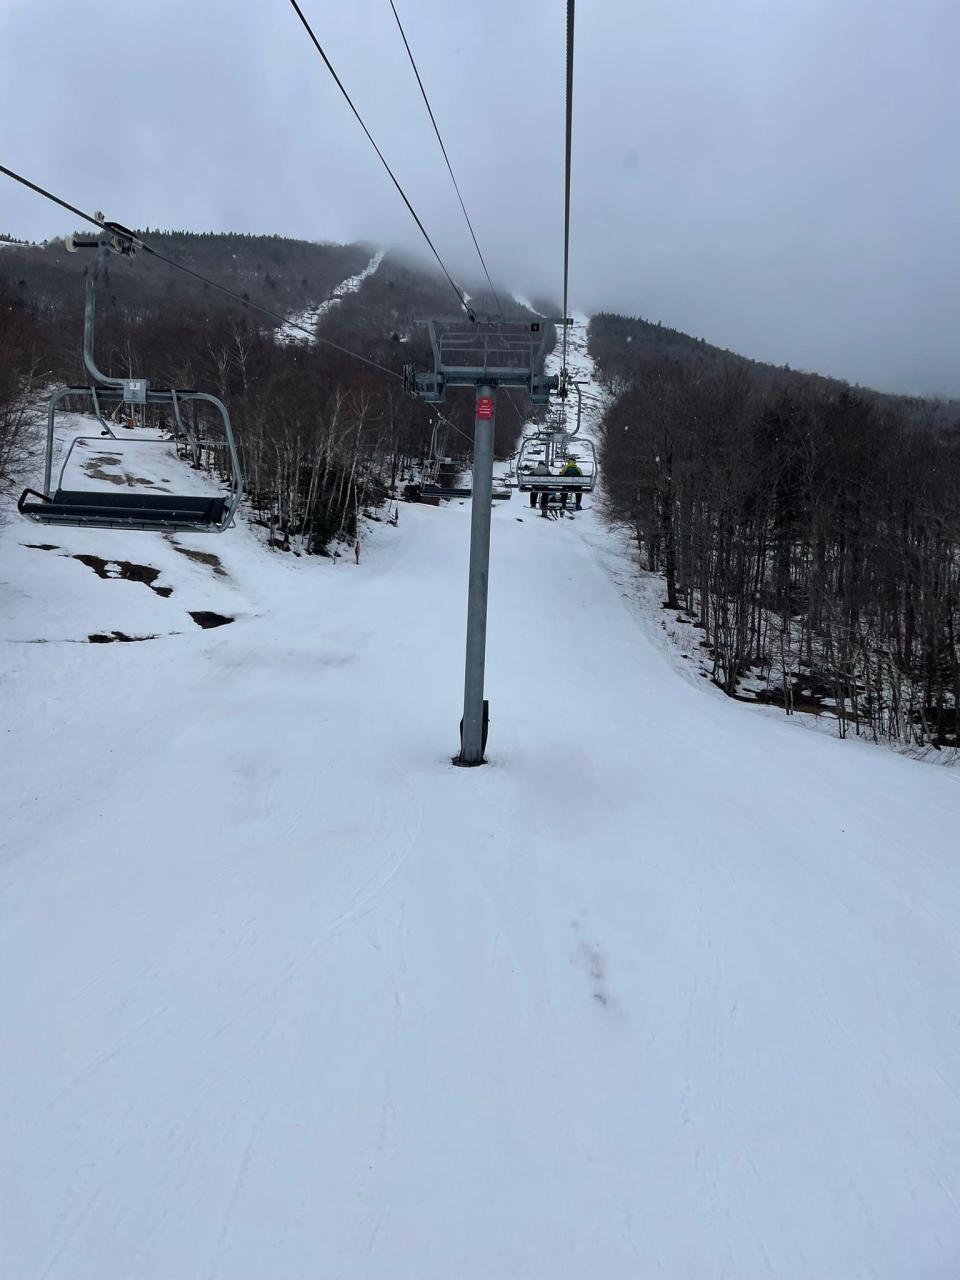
{"x": 484, "y": 406}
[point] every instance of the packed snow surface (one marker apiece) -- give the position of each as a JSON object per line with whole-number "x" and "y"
{"x": 668, "y": 988}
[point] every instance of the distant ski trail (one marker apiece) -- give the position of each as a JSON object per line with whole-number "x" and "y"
{"x": 522, "y": 301}
{"x": 292, "y": 331}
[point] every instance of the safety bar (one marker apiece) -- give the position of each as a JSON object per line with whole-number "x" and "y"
{"x": 27, "y": 493}
{"x": 99, "y": 440}
{"x": 182, "y": 427}
{"x": 108, "y": 430}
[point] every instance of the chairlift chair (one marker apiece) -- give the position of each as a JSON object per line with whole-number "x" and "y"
{"x": 546, "y": 444}
{"x": 126, "y": 510}
{"x": 532, "y": 452}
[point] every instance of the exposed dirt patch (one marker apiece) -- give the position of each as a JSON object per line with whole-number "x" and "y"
{"x": 114, "y": 636}
{"x": 106, "y": 457}
{"x": 124, "y": 569}
{"x": 94, "y": 469}
{"x": 202, "y": 557}
{"x": 775, "y": 697}
{"x": 41, "y": 546}
{"x": 206, "y": 619}
{"x": 103, "y": 459}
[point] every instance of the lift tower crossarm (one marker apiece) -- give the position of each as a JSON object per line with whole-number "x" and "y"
{"x": 491, "y": 352}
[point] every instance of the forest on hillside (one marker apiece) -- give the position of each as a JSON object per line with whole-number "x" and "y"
{"x": 624, "y": 346}
{"x": 272, "y": 271}
{"x": 811, "y": 531}
{"x": 322, "y": 435}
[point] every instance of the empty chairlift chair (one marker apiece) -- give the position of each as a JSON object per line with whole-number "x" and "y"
{"x": 117, "y": 509}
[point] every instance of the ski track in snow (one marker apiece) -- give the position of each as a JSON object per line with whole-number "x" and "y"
{"x": 665, "y": 989}
{"x": 292, "y": 331}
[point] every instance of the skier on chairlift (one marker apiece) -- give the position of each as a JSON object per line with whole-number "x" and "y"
{"x": 541, "y": 469}
{"x": 570, "y": 468}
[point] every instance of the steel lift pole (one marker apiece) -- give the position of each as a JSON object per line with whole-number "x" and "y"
{"x": 474, "y": 708}
{"x": 483, "y": 354}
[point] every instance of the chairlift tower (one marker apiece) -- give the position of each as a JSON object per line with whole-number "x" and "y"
{"x": 483, "y": 354}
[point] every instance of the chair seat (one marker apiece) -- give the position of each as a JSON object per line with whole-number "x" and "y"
{"x": 445, "y": 491}
{"x": 127, "y": 510}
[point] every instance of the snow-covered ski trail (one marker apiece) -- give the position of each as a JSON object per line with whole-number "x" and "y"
{"x": 293, "y": 329}
{"x": 581, "y": 369}
{"x": 665, "y": 989}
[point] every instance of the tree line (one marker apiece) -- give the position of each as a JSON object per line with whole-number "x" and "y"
{"x": 809, "y": 530}
{"x": 322, "y": 436}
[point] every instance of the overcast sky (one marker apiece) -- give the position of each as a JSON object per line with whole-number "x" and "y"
{"x": 778, "y": 176}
